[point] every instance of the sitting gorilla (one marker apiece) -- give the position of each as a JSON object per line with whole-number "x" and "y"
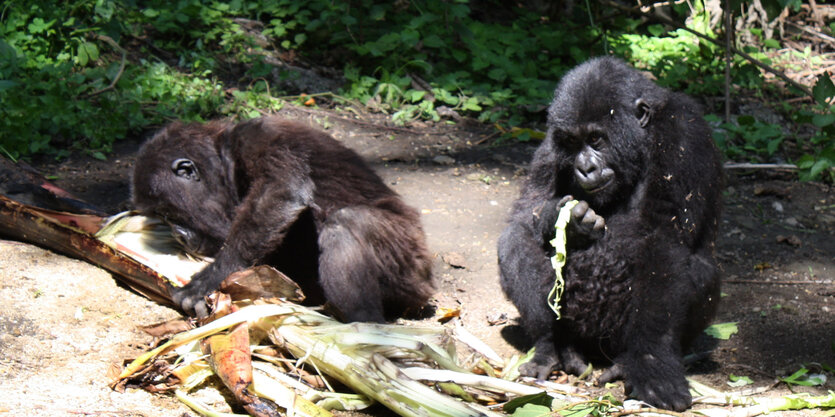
{"x": 640, "y": 278}
{"x": 276, "y": 192}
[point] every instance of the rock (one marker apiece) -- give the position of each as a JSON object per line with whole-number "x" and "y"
{"x": 443, "y": 160}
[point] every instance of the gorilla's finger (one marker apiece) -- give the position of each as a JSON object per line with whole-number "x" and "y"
{"x": 579, "y": 210}
{"x": 201, "y": 309}
{"x": 565, "y": 200}
{"x": 599, "y": 225}
{"x": 614, "y": 373}
{"x": 590, "y": 217}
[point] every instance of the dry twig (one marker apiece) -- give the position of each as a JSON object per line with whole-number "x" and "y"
{"x": 115, "y": 46}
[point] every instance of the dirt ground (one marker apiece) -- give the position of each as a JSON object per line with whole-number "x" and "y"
{"x": 69, "y": 325}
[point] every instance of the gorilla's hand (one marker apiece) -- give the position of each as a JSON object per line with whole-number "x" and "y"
{"x": 585, "y": 226}
{"x": 191, "y": 298}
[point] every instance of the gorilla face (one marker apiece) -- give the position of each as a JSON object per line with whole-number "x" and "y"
{"x": 185, "y": 186}
{"x": 604, "y": 157}
{"x": 602, "y": 129}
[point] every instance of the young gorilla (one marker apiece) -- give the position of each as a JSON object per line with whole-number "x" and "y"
{"x": 640, "y": 279}
{"x": 273, "y": 191}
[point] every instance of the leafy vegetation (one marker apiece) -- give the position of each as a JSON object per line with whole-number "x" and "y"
{"x": 822, "y": 117}
{"x": 80, "y": 74}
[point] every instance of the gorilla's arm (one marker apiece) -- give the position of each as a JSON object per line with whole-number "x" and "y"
{"x": 272, "y": 204}
{"x": 527, "y": 274}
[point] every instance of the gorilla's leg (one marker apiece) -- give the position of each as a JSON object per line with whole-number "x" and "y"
{"x": 370, "y": 265}
{"x": 678, "y": 301}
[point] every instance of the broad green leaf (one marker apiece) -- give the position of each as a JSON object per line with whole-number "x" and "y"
{"x": 532, "y": 410}
{"x": 819, "y": 167}
{"x": 773, "y": 145}
{"x": 497, "y": 74}
{"x": 471, "y": 104}
{"x": 81, "y": 57}
{"x": 771, "y": 43}
{"x": 801, "y": 378}
{"x": 540, "y": 399}
{"x": 739, "y": 381}
{"x": 92, "y": 50}
{"x": 433, "y": 41}
{"x": 805, "y": 161}
{"x": 722, "y": 331}
{"x": 656, "y": 30}
{"x": 824, "y": 89}
{"x": 38, "y": 25}
{"x": 821, "y": 120}
{"x": 580, "y": 410}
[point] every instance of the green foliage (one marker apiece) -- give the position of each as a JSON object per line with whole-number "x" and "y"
{"x": 682, "y": 61}
{"x": 63, "y": 85}
{"x": 821, "y": 161}
{"x": 752, "y": 140}
{"x": 803, "y": 378}
{"x": 56, "y": 71}
{"x": 542, "y": 405}
{"x": 493, "y": 70}
{"x": 748, "y": 138}
{"x": 541, "y": 399}
{"x": 739, "y": 380}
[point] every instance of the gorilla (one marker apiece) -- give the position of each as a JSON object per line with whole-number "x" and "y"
{"x": 640, "y": 278}
{"x": 274, "y": 191}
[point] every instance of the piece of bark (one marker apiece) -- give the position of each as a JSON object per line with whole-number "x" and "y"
{"x": 72, "y": 234}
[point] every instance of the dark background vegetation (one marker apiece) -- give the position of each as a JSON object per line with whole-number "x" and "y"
{"x": 78, "y": 75}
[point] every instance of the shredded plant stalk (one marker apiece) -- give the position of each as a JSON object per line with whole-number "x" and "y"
{"x": 558, "y": 260}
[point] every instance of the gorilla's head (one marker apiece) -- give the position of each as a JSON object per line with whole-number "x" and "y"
{"x": 602, "y": 120}
{"x": 180, "y": 176}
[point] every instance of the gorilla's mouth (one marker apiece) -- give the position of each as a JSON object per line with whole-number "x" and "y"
{"x": 596, "y": 189}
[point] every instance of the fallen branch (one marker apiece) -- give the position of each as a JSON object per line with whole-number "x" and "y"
{"x": 74, "y": 235}
{"x": 745, "y": 165}
{"x": 751, "y": 281}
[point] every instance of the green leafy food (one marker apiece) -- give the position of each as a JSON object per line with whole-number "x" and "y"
{"x": 739, "y": 381}
{"x": 802, "y": 377}
{"x": 532, "y": 410}
{"x": 558, "y": 260}
{"x": 722, "y": 331}
{"x": 541, "y": 399}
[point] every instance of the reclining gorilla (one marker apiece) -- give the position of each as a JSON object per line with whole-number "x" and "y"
{"x": 276, "y": 192}
{"x": 640, "y": 279}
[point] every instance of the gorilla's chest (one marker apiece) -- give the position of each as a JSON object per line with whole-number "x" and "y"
{"x": 598, "y": 294}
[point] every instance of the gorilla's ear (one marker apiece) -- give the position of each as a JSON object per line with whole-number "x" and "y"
{"x": 643, "y": 112}
{"x": 185, "y": 168}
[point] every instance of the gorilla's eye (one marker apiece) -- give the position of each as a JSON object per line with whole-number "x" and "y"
{"x": 571, "y": 142}
{"x": 597, "y": 141}
{"x": 185, "y": 168}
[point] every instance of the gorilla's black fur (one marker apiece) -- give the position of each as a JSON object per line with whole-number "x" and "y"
{"x": 273, "y": 191}
{"x": 640, "y": 278}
